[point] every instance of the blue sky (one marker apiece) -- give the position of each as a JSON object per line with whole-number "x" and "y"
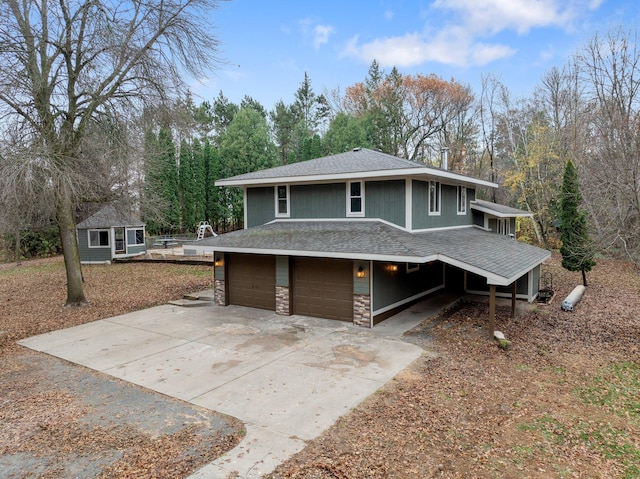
{"x": 267, "y": 46}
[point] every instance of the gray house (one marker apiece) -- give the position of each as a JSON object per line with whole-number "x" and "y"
{"x": 358, "y": 236}
{"x": 110, "y": 234}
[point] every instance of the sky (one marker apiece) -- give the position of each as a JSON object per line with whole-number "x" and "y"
{"x": 267, "y": 46}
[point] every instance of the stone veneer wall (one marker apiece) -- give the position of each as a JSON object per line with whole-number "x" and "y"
{"x": 362, "y": 310}
{"x": 282, "y": 300}
{"x": 219, "y": 292}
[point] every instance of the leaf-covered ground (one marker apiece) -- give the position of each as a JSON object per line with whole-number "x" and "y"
{"x": 59, "y": 420}
{"x": 564, "y": 401}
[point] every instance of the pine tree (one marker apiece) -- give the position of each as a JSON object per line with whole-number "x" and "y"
{"x": 576, "y": 250}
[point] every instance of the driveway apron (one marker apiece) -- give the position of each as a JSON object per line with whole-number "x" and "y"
{"x": 287, "y": 378}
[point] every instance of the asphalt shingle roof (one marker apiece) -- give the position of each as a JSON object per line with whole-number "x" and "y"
{"x": 110, "y": 216}
{"x": 496, "y": 256}
{"x": 359, "y": 161}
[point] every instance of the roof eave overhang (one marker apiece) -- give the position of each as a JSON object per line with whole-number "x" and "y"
{"x": 492, "y": 278}
{"x": 499, "y": 214}
{"x": 381, "y": 174}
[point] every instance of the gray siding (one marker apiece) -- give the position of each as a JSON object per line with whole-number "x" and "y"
{"x": 385, "y": 200}
{"x": 282, "y": 271}
{"x": 92, "y": 254}
{"x": 392, "y": 287}
{"x": 136, "y": 249}
{"x": 448, "y": 207}
{"x": 318, "y": 201}
{"x": 361, "y": 285}
{"x": 260, "y": 206}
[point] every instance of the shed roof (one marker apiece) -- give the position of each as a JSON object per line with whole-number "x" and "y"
{"x": 110, "y": 216}
{"x": 498, "y": 258}
{"x": 360, "y": 163}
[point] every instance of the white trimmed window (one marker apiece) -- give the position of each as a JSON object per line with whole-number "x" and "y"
{"x": 462, "y": 200}
{"x": 98, "y": 238}
{"x": 135, "y": 236}
{"x": 355, "y": 198}
{"x": 282, "y": 201}
{"x": 413, "y": 267}
{"x": 435, "y": 194}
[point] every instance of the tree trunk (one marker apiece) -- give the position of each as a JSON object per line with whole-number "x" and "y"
{"x": 584, "y": 278}
{"x": 18, "y": 252}
{"x": 69, "y": 240}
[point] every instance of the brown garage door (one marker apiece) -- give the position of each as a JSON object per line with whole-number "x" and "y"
{"x": 252, "y": 280}
{"x": 323, "y": 288}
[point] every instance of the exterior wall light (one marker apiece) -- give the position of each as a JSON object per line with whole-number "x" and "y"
{"x": 360, "y": 273}
{"x": 218, "y": 262}
{"x": 392, "y": 268}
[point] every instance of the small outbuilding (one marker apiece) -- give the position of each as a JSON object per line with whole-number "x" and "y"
{"x": 109, "y": 234}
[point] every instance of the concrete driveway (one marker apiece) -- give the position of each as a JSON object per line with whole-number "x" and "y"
{"x": 287, "y": 378}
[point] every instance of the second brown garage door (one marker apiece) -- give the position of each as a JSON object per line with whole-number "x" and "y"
{"x": 323, "y": 288}
{"x": 252, "y": 280}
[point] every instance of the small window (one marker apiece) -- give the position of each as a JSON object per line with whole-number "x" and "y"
{"x": 356, "y": 199}
{"x": 413, "y": 267}
{"x": 98, "y": 238}
{"x": 135, "y": 237}
{"x": 434, "y": 197}
{"x": 462, "y": 200}
{"x": 282, "y": 200}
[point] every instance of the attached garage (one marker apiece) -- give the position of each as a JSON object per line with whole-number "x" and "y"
{"x": 323, "y": 288}
{"x": 252, "y": 280}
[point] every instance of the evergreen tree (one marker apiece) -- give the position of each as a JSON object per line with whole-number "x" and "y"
{"x": 577, "y": 254}
{"x": 168, "y": 181}
{"x": 187, "y": 187}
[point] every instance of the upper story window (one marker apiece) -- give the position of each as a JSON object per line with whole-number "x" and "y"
{"x": 135, "y": 236}
{"x": 98, "y": 238}
{"x": 434, "y": 197}
{"x": 355, "y": 201}
{"x": 462, "y": 200}
{"x": 282, "y": 200}
{"x": 504, "y": 226}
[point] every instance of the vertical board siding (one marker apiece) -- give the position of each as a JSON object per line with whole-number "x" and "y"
{"x": 478, "y": 283}
{"x": 282, "y": 271}
{"x": 392, "y": 287}
{"x": 386, "y": 200}
{"x": 361, "y": 285}
{"x": 318, "y": 201}
{"x": 448, "y": 207}
{"x": 260, "y": 206}
{"x": 92, "y": 254}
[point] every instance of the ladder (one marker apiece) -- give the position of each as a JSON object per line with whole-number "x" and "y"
{"x": 203, "y": 227}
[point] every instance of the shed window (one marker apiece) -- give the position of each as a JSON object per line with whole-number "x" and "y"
{"x": 462, "y": 200}
{"x": 355, "y": 206}
{"x": 98, "y": 238}
{"x": 282, "y": 200}
{"x": 434, "y": 197}
{"x": 135, "y": 237}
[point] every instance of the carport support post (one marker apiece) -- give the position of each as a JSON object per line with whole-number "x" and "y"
{"x": 513, "y": 300}
{"x": 492, "y": 309}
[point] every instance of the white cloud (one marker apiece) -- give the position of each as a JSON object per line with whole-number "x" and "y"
{"x": 388, "y": 14}
{"x": 463, "y": 37}
{"x": 321, "y": 34}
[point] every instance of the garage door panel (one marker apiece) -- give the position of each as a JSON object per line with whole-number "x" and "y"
{"x": 323, "y": 288}
{"x": 252, "y": 281}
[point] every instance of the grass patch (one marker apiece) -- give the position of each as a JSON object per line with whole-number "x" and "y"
{"x": 616, "y": 388}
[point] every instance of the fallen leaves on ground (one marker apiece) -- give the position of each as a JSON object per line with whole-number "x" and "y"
{"x": 473, "y": 410}
{"x": 48, "y": 427}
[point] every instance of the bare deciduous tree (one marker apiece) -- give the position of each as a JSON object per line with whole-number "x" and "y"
{"x": 68, "y": 67}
